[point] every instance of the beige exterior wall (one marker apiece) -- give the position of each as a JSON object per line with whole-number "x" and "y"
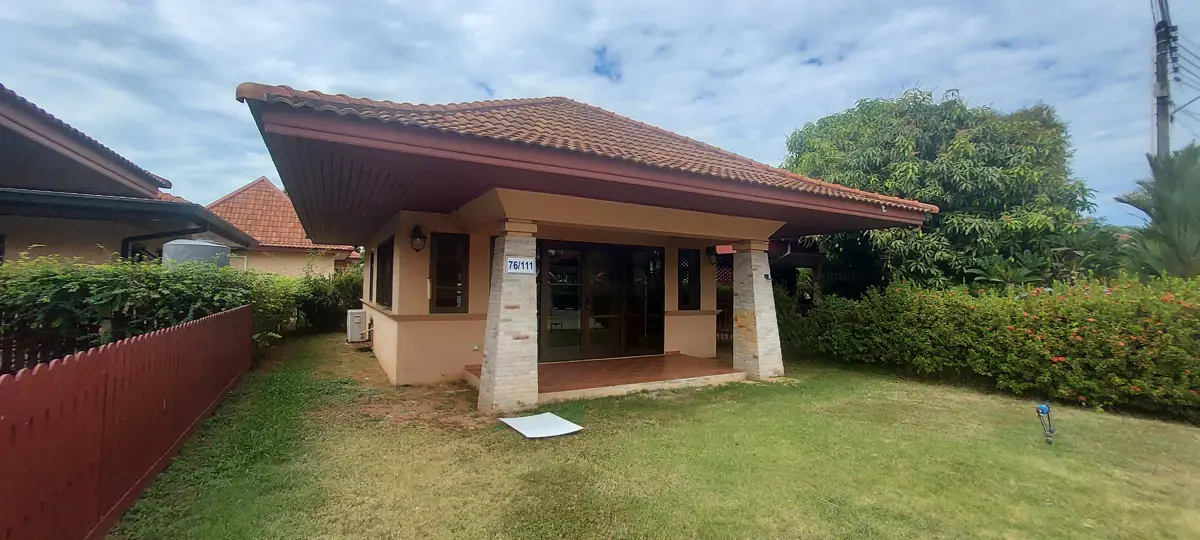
{"x": 92, "y": 242}
{"x": 385, "y": 333}
{"x": 288, "y": 263}
{"x": 693, "y": 333}
{"x": 428, "y": 348}
{"x": 437, "y": 350}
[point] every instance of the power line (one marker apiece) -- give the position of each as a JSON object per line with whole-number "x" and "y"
{"x": 1185, "y": 38}
{"x": 1186, "y": 70}
{"x": 1184, "y": 126}
{"x": 1187, "y": 80}
{"x": 1179, "y": 57}
{"x": 1189, "y": 85}
{"x": 1185, "y": 57}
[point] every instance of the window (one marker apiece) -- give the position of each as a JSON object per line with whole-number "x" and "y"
{"x": 448, "y": 256}
{"x": 383, "y": 273}
{"x": 689, "y": 279}
{"x": 371, "y": 277}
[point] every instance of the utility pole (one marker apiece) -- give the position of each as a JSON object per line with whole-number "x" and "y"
{"x": 1162, "y": 89}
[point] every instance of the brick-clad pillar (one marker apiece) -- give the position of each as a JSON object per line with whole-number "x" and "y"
{"x": 755, "y": 329}
{"x": 509, "y": 380}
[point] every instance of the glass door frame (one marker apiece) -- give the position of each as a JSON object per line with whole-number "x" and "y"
{"x": 618, "y": 259}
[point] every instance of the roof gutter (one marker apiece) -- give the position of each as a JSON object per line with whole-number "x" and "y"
{"x": 51, "y": 204}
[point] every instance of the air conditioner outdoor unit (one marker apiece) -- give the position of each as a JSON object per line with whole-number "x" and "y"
{"x": 356, "y": 326}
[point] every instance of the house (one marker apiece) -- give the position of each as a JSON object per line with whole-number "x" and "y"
{"x": 64, "y": 193}
{"x": 266, "y": 213}
{"x": 509, "y": 240}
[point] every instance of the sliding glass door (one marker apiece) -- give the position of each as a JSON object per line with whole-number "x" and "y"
{"x": 599, "y": 301}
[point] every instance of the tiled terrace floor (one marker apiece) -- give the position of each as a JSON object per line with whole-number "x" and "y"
{"x": 566, "y": 376}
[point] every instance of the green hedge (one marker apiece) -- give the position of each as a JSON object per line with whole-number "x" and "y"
{"x": 324, "y": 299}
{"x": 1134, "y": 345}
{"x": 84, "y": 305}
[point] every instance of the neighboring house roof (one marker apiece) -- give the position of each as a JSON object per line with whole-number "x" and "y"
{"x": 565, "y": 124}
{"x": 33, "y": 202}
{"x": 162, "y": 196}
{"x": 8, "y": 96}
{"x": 266, "y": 213}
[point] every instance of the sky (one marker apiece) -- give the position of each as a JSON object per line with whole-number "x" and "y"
{"x": 155, "y": 80}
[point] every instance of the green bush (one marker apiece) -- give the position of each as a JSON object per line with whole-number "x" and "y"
{"x": 1135, "y": 345}
{"x": 84, "y": 305}
{"x": 325, "y": 299}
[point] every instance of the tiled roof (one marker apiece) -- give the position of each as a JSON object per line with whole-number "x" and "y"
{"x": 266, "y": 213}
{"x": 163, "y": 196}
{"x": 565, "y": 124}
{"x": 66, "y": 129}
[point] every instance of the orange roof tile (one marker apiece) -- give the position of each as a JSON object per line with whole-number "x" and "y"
{"x": 163, "y": 196}
{"x": 565, "y": 124}
{"x": 266, "y": 213}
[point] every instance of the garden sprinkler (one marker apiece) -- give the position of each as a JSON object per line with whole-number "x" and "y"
{"x": 1043, "y": 411}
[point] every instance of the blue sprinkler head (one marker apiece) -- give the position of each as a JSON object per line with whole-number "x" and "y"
{"x": 1043, "y": 409}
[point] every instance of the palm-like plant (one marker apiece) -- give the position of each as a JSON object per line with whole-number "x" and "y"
{"x": 996, "y": 270}
{"x": 1169, "y": 244}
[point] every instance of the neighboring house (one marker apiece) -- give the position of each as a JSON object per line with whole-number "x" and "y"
{"x": 265, "y": 212}
{"x": 63, "y": 193}
{"x": 507, "y": 236}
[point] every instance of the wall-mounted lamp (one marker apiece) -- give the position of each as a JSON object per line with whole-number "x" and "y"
{"x": 417, "y": 238}
{"x": 712, "y": 255}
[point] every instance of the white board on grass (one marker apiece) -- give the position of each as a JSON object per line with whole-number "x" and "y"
{"x": 541, "y": 425}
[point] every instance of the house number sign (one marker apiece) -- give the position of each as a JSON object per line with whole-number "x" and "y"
{"x": 520, "y": 265}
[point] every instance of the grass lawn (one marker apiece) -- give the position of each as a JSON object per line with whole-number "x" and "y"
{"x": 318, "y": 446}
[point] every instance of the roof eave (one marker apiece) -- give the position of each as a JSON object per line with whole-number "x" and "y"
{"x": 186, "y": 210}
{"x": 284, "y": 120}
{"x": 48, "y": 127}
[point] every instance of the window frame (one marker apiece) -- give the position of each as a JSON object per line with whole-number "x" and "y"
{"x": 694, "y": 261}
{"x": 434, "y": 256}
{"x": 385, "y": 261}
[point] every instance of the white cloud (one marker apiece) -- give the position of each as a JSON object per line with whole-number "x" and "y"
{"x": 155, "y": 82}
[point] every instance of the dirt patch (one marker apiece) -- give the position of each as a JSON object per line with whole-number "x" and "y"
{"x": 442, "y": 405}
{"x": 346, "y": 361}
{"x": 446, "y": 405}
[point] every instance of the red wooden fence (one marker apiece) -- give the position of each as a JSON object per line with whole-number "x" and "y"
{"x": 81, "y": 437}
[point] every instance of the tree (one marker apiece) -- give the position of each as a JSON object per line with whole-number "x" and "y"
{"x": 1001, "y": 180}
{"x": 1169, "y": 244}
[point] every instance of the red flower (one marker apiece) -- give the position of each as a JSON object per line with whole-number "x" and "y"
{"x": 1039, "y": 336}
{"x": 1058, "y": 359}
{"x": 897, "y": 290}
{"x": 1011, "y": 327}
{"x": 1195, "y": 392}
{"x": 1035, "y": 317}
{"x": 1082, "y": 398}
{"x": 1135, "y": 388}
{"x": 1168, "y": 297}
{"x": 1120, "y": 343}
{"x": 1029, "y": 330}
